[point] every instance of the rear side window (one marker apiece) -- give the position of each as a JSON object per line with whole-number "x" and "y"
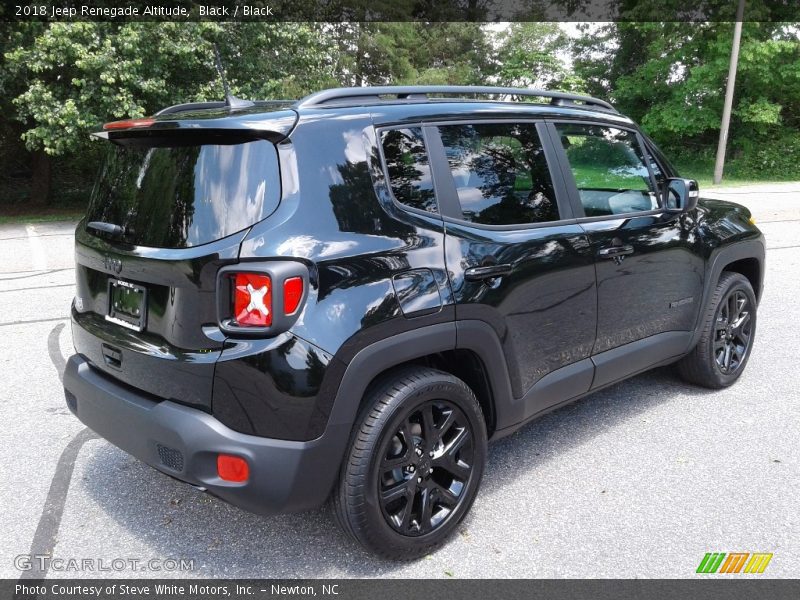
{"x": 176, "y": 196}
{"x": 609, "y": 169}
{"x": 408, "y": 167}
{"x": 500, "y": 173}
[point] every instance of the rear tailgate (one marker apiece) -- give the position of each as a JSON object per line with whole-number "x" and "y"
{"x": 171, "y": 358}
{"x": 170, "y": 207}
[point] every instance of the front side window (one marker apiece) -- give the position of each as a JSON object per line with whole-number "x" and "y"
{"x": 609, "y": 169}
{"x": 500, "y": 173}
{"x": 408, "y": 167}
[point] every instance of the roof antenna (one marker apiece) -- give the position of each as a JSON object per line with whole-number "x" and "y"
{"x": 231, "y": 101}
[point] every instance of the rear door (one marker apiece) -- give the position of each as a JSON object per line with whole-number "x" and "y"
{"x": 517, "y": 258}
{"x": 146, "y": 298}
{"x": 649, "y": 270}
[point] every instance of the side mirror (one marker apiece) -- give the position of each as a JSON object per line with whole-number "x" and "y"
{"x": 682, "y": 195}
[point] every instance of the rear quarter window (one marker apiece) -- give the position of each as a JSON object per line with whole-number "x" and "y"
{"x": 408, "y": 168}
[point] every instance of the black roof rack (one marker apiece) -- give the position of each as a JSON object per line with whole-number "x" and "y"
{"x": 237, "y": 104}
{"x": 349, "y": 95}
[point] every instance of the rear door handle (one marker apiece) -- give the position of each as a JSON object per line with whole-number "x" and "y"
{"x": 487, "y": 272}
{"x": 615, "y": 251}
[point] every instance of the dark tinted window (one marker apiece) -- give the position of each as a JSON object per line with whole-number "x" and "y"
{"x": 180, "y": 196}
{"x": 500, "y": 173}
{"x": 609, "y": 169}
{"x": 409, "y": 170}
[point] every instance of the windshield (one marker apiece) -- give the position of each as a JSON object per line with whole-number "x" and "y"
{"x": 177, "y": 196}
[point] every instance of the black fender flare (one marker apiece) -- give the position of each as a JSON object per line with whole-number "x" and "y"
{"x": 382, "y": 355}
{"x": 379, "y": 356}
{"x": 722, "y": 257}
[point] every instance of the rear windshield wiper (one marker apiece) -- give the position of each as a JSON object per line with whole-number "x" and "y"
{"x": 111, "y": 229}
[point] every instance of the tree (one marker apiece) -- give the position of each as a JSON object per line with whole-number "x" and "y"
{"x": 670, "y": 77}
{"x": 73, "y": 76}
{"x": 369, "y": 53}
{"x": 408, "y": 53}
{"x": 533, "y": 55}
{"x": 450, "y": 53}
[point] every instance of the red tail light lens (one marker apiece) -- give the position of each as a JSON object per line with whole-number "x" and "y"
{"x": 232, "y": 468}
{"x": 129, "y": 123}
{"x": 261, "y": 299}
{"x": 252, "y": 300}
{"x": 292, "y": 293}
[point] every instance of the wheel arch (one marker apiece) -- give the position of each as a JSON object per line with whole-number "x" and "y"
{"x": 751, "y": 268}
{"x": 469, "y": 350}
{"x": 744, "y": 257}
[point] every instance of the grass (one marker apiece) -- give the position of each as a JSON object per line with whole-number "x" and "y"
{"x": 68, "y": 202}
{"x": 26, "y": 214}
{"x": 702, "y": 170}
{"x": 592, "y": 177}
{"x": 595, "y": 177}
{"x": 705, "y": 178}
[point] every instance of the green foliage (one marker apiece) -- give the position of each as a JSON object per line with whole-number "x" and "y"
{"x": 528, "y": 56}
{"x": 67, "y": 78}
{"x": 777, "y": 159}
{"x": 408, "y": 53}
{"x": 60, "y": 81}
{"x": 78, "y": 75}
{"x": 671, "y": 77}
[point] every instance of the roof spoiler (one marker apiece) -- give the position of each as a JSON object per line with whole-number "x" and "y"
{"x": 275, "y": 127}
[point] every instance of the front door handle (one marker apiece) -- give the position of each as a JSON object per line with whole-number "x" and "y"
{"x": 615, "y": 251}
{"x": 487, "y": 272}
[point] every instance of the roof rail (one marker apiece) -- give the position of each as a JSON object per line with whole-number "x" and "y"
{"x": 346, "y": 95}
{"x": 237, "y": 104}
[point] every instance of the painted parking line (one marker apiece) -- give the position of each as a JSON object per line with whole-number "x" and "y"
{"x": 46, "y": 535}
{"x": 37, "y": 249}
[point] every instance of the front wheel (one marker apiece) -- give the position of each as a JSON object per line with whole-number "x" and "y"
{"x": 414, "y": 465}
{"x": 729, "y": 328}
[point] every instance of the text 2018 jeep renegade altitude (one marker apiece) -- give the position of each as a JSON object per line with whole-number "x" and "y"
{"x": 347, "y": 296}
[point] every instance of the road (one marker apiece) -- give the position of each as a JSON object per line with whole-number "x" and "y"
{"x": 639, "y": 480}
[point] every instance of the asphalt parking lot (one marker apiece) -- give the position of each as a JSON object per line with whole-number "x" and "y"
{"x": 639, "y": 480}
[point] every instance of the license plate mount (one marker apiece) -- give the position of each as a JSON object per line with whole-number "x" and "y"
{"x": 127, "y": 304}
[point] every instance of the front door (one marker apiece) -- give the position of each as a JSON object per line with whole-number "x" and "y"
{"x": 649, "y": 268}
{"x": 516, "y": 257}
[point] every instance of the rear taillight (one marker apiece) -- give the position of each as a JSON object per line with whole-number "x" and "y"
{"x": 261, "y": 298}
{"x": 292, "y": 294}
{"x": 252, "y": 300}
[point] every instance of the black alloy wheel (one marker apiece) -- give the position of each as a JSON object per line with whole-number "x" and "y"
{"x": 414, "y": 465}
{"x": 425, "y": 468}
{"x": 733, "y": 331}
{"x": 728, "y": 329}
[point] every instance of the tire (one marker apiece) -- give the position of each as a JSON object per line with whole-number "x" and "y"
{"x": 420, "y": 444}
{"x": 726, "y": 341}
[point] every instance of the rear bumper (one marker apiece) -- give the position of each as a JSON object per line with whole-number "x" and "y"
{"x": 183, "y": 442}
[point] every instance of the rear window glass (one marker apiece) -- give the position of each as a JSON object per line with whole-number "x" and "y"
{"x": 500, "y": 173}
{"x": 186, "y": 195}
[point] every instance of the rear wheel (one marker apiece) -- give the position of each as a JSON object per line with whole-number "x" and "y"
{"x": 414, "y": 466}
{"x": 729, "y": 328}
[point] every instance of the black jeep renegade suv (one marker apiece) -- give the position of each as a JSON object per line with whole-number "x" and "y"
{"x": 347, "y": 296}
